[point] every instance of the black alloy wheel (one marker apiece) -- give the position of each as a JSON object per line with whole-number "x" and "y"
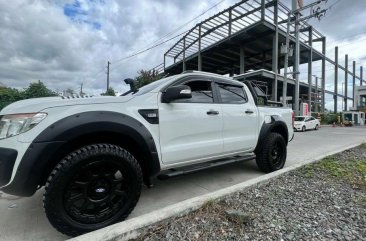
{"x": 277, "y": 154}
{"x": 91, "y": 188}
{"x": 271, "y": 153}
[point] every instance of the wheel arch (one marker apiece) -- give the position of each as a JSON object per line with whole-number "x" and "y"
{"x": 277, "y": 125}
{"x": 73, "y": 132}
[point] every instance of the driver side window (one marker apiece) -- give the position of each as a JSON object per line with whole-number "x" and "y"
{"x": 201, "y": 92}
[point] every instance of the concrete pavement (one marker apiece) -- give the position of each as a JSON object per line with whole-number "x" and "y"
{"x": 24, "y": 219}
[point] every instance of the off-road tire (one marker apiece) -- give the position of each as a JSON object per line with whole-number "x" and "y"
{"x": 264, "y": 154}
{"x": 56, "y": 198}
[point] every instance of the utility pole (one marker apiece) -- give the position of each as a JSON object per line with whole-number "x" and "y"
{"x": 343, "y": 95}
{"x": 81, "y": 90}
{"x": 108, "y": 75}
{"x": 295, "y": 16}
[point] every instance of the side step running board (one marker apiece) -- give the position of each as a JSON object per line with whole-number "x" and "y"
{"x": 196, "y": 168}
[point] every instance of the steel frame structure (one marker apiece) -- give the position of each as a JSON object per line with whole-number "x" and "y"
{"x": 246, "y": 36}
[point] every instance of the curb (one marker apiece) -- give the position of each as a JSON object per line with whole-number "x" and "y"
{"x": 129, "y": 229}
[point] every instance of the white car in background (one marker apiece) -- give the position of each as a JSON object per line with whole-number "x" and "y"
{"x": 303, "y": 123}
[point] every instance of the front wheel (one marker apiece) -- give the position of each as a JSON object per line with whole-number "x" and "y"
{"x": 271, "y": 156}
{"x": 91, "y": 188}
{"x": 316, "y": 127}
{"x": 303, "y": 129}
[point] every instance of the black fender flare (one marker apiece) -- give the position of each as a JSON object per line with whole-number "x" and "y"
{"x": 278, "y": 125}
{"x": 29, "y": 173}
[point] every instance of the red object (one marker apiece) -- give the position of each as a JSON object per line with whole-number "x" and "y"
{"x": 306, "y": 109}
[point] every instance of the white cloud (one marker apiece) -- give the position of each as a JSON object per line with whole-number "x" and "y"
{"x": 38, "y": 41}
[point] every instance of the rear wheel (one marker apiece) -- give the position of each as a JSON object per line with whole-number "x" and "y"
{"x": 316, "y": 127}
{"x": 303, "y": 129}
{"x": 91, "y": 188}
{"x": 271, "y": 156}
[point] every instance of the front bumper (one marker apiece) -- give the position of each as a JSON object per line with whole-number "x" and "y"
{"x": 7, "y": 161}
{"x": 297, "y": 128}
{"x": 29, "y": 172}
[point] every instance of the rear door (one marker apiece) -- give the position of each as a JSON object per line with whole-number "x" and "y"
{"x": 191, "y": 129}
{"x": 240, "y": 117}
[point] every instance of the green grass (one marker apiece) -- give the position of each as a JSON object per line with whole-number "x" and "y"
{"x": 308, "y": 171}
{"x": 333, "y": 167}
{"x": 363, "y": 145}
{"x": 352, "y": 171}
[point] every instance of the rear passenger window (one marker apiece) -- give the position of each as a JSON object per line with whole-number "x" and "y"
{"x": 232, "y": 94}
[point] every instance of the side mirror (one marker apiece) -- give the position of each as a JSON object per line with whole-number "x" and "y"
{"x": 176, "y": 93}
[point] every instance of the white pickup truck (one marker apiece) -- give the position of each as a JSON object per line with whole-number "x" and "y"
{"x": 94, "y": 154}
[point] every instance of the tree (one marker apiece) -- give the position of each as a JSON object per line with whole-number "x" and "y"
{"x": 37, "y": 90}
{"x": 69, "y": 92}
{"x": 9, "y": 95}
{"x": 110, "y": 92}
{"x": 146, "y": 77}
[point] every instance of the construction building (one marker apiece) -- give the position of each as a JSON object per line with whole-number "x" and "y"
{"x": 245, "y": 41}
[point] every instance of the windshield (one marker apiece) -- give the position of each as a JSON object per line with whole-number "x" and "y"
{"x": 299, "y": 118}
{"x": 147, "y": 88}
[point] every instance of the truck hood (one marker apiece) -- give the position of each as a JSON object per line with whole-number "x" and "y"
{"x": 39, "y": 104}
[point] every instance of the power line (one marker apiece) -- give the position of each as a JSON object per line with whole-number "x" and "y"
{"x": 185, "y": 24}
{"x": 167, "y": 35}
{"x": 145, "y": 50}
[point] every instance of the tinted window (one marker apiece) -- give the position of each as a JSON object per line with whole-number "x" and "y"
{"x": 299, "y": 118}
{"x": 232, "y": 94}
{"x": 201, "y": 92}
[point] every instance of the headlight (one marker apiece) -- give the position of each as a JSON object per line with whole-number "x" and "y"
{"x": 12, "y": 125}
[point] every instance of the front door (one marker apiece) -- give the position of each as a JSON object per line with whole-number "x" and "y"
{"x": 191, "y": 129}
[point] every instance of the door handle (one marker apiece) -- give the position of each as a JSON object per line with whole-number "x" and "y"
{"x": 212, "y": 112}
{"x": 249, "y": 112}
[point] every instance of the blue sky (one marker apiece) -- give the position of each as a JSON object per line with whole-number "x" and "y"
{"x": 77, "y": 12}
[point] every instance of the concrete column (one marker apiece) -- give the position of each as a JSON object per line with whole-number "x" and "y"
{"x": 275, "y": 55}
{"x": 297, "y": 66}
{"x": 164, "y": 61}
{"x": 199, "y": 62}
{"x": 346, "y": 84}
{"x": 323, "y": 75}
{"x": 199, "y": 49}
{"x": 263, "y": 2}
{"x": 336, "y": 80}
{"x": 230, "y": 21}
{"x": 242, "y": 60}
{"x": 316, "y": 96}
{"x": 361, "y": 76}
{"x": 310, "y": 67}
{"x": 184, "y": 54}
{"x": 354, "y": 83}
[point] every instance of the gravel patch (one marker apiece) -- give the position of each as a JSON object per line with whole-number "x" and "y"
{"x": 320, "y": 201}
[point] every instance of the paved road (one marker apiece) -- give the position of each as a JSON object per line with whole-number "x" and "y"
{"x": 24, "y": 219}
